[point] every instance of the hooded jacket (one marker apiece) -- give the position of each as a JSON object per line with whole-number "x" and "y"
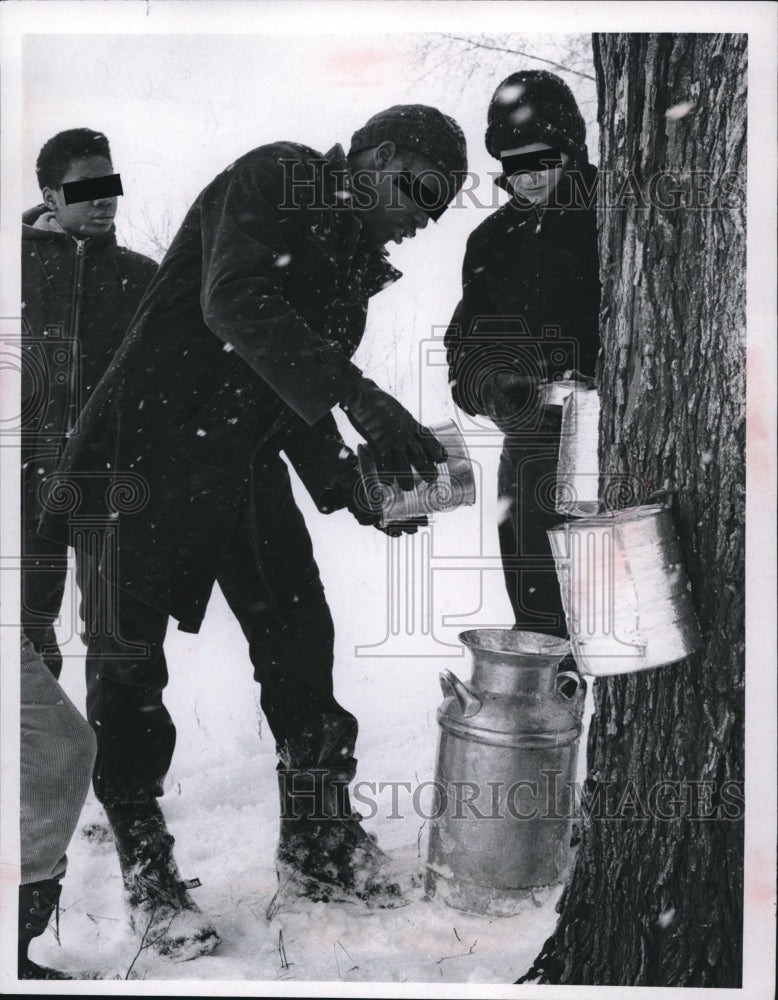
{"x": 78, "y": 298}
{"x": 530, "y": 293}
{"x": 241, "y": 343}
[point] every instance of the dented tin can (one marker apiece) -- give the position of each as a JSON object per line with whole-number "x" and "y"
{"x": 506, "y": 763}
{"x": 625, "y": 591}
{"x": 454, "y": 486}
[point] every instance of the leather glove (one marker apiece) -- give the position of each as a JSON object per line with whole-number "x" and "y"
{"x": 506, "y": 394}
{"x": 396, "y": 440}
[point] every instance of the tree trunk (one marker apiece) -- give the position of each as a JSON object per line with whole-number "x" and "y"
{"x": 657, "y": 902}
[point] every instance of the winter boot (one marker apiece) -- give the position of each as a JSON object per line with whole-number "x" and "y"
{"x": 323, "y": 851}
{"x": 37, "y": 902}
{"x": 161, "y": 910}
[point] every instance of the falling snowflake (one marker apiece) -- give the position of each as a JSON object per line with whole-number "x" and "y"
{"x": 511, "y": 93}
{"x": 503, "y": 509}
{"x": 679, "y": 110}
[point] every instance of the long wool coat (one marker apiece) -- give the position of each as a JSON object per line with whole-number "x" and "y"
{"x": 242, "y": 342}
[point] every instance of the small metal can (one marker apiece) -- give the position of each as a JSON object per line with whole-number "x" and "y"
{"x": 577, "y": 492}
{"x": 454, "y": 486}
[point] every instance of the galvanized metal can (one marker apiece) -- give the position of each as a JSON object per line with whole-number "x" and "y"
{"x": 500, "y": 824}
{"x": 577, "y": 492}
{"x": 454, "y": 486}
{"x": 625, "y": 591}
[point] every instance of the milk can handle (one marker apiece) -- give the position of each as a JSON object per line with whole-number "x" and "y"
{"x": 451, "y": 685}
{"x": 570, "y": 675}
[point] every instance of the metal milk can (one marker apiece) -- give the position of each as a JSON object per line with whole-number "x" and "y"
{"x": 507, "y": 753}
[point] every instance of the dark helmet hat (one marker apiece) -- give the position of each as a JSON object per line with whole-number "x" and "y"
{"x": 424, "y": 129}
{"x": 536, "y": 106}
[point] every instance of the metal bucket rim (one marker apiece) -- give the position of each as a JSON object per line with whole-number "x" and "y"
{"x": 525, "y": 643}
{"x": 612, "y": 517}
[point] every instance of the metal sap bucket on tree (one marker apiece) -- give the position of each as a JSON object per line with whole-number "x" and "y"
{"x": 625, "y": 591}
{"x": 454, "y": 487}
{"x": 507, "y": 754}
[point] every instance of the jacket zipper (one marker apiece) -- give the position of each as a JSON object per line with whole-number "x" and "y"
{"x": 75, "y": 330}
{"x": 536, "y": 290}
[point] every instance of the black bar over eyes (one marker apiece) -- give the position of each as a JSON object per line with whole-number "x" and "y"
{"x": 542, "y": 159}
{"x": 92, "y": 188}
{"x": 424, "y": 196}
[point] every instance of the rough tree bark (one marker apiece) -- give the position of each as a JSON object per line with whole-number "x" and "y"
{"x": 655, "y": 902}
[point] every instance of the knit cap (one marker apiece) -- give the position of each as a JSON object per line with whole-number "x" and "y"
{"x": 425, "y": 130}
{"x": 536, "y": 106}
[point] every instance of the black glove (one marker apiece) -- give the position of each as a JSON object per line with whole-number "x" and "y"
{"x": 395, "y": 439}
{"x": 511, "y": 400}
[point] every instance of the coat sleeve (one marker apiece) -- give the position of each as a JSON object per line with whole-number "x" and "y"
{"x": 323, "y": 461}
{"x": 589, "y": 312}
{"x": 246, "y": 240}
{"x": 468, "y": 359}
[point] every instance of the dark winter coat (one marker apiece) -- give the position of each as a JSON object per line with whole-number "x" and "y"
{"x": 242, "y": 342}
{"x": 530, "y": 295}
{"x": 78, "y": 298}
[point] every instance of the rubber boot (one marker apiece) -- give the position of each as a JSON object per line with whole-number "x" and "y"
{"x": 162, "y": 912}
{"x": 323, "y": 851}
{"x": 37, "y": 902}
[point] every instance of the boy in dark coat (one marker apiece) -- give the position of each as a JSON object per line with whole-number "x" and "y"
{"x": 80, "y": 290}
{"x": 529, "y": 315}
{"x": 239, "y": 351}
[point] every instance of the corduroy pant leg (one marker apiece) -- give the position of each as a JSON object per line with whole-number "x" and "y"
{"x": 271, "y": 581}
{"x": 57, "y": 753}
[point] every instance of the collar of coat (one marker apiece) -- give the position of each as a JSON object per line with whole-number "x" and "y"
{"x": 369, "y": 268}
{"x": 38, "y": 223}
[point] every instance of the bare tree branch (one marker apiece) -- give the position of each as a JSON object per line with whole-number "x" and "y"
{"x": 475, "y": 44}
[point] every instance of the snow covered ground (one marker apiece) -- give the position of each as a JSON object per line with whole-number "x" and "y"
{"x": 221, "y": 798}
